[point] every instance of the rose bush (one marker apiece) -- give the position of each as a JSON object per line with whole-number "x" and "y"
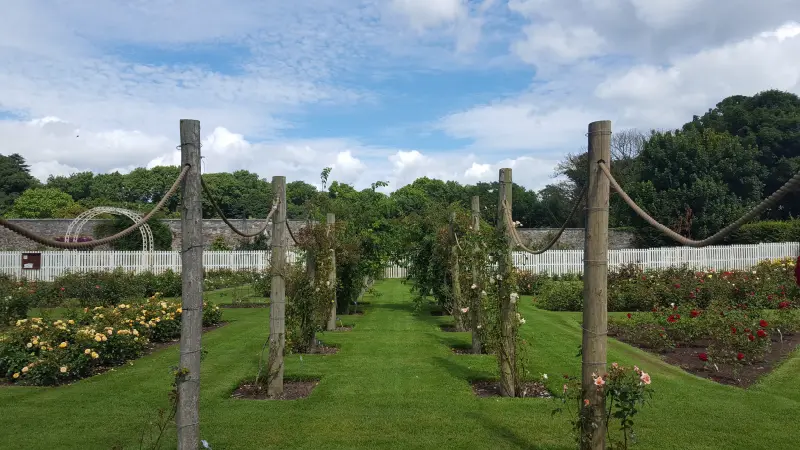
{"x": 41, "y": 352}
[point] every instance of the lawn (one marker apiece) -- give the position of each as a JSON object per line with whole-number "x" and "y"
{"x": 394, "y": 384}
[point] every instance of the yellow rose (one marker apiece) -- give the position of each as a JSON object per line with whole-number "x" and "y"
{"x": 62, "y": 345}
{"x": 16, "y": 375}
{"x": 71, "y": 322}
{"x": 98, "y": 338}
{"x": 63, "y": 369}
{"x": 95, "y": 355}
{"x": 25, "y": 369}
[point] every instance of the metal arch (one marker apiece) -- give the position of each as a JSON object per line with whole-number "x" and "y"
{"x": 77, "y": 224}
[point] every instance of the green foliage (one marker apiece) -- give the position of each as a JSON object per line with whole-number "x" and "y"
{"x": 220, "y": 245}
{"x": 15, "y": 178}
{"x": 262, "y": 283}
{"x": 560, "y": 296}
{"x": 42, "y": 203}
{"x": 767, "y": 231}
{"x": 162, "y": 234}
{"x": 309, "y": 298}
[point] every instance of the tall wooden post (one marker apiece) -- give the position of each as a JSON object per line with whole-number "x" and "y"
{"x": 507, "y": 350}
{"x": 277, "y": 308}
{"x": 331, "y": 219}
{"x": 595, "y": 272}
{"x": 187, "y": 417}
{"x": 455, "y": 275}
{"x": 311, "y": 272}
{"x": 474, "y": 308}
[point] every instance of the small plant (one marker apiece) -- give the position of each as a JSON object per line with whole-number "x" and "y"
{"x": 625, "y": 390}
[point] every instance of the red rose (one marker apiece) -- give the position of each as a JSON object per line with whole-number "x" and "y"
{"x": 769, "y": 297}
{"x": 677, "y": 286}
{"x": 97, "y": 286}
{"x": 672, "y": 319}
{"x": 629, "y": 315}
{"x": 763, "y": 323}
{"x": 751, "y": 337}
{"x": 733, "y": 330}
{"x": 740, "y": 356}
{"x": 783, "y": 305}
{"x": 695, "y": 313}
{"x": 62, "y": 288}
{"x": 703, "y": 357}
{"x": 747, "y": 330}
{"x": 762, "y": 333}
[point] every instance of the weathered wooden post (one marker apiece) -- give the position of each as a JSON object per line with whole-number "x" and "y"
{"x": 331, "y": 219}
{"x": 455, "y": 274}
{"x": 311, "y": 273}
{"x": 595, "y": 273}
{"x": 187, "y": 416}
{"x": 474, "y": 308}
{"x": 277, "y": 308}
{"x": 508, "y": 356}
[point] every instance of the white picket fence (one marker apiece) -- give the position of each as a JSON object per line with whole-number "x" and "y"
{"x": 729, "y": 257}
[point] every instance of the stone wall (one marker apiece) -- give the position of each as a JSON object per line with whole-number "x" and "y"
{"x": 53, "y": 228}
{"x": 573, "y": 238}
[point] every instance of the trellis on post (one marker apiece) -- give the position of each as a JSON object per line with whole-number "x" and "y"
{"x": 331, "y": 222}
{"x": 187, "y": 416}
{"x": 474, "y": 308}
{"x": 508, "y": 356}
{"x": 595, "y": 294}
{"x": 277, "y": 309}
{"x": 455, "y": 275}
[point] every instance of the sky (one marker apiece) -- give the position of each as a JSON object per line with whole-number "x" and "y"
{"x": 388, "y": 90}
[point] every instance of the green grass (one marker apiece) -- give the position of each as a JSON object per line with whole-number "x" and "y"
{"x": 394, "y": 384}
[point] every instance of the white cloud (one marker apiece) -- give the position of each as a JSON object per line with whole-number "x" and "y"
{"x": 554, "y": 43}
{"x": 423, "y": 14}
{"x": 653, "y": 95}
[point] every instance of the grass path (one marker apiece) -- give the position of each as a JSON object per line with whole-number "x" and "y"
{"x": 394, "y": 384}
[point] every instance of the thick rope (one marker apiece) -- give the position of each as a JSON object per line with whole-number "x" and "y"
{"x": 91, "y": 244}
{"x": 230, "y": 225}
{"x": 770, "y": 201}
{"x": 518, "y": 239}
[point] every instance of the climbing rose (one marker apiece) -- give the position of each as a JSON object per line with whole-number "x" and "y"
{"x": 703, "y": 357}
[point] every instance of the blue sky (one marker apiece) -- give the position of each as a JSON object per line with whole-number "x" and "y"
{"x": 376, "y": 89}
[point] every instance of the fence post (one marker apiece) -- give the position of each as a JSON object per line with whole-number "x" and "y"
{"x": 507, "y": 350}
{"x": 474, "y": 308}
{"x": 187, "y": 417}
{"x": 595, "y": 294}
{"x": 277, "y": 307}
{"x": 331, "y": 220}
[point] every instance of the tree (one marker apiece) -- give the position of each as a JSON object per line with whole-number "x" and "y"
{"x": 770, "y": 122}
{"x": 42, "y": 203}
{"x": 15, "y": 178}
{"x": 695, "y": 182}
{"x": 162, "y": 235}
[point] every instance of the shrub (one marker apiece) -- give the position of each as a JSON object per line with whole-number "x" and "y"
{"x": 561, "y": 296}
{"x": 262, "y": 283}
{"x": 530, "y": 283}
{"x": 767, "y": 231}
{"x": 40, "y": 352}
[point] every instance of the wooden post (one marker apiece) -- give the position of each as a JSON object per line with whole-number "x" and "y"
{"x": 187, "y": 417}
{"x": 595, "y": 272}
{"x": 277, "y": 308}
{"x": 311, "y": 272}
{"x": 331, "y": 219}
{"x": 455, "y": 274}
{"x": 507, "y": 351}
{"x": 474, "y": 308}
